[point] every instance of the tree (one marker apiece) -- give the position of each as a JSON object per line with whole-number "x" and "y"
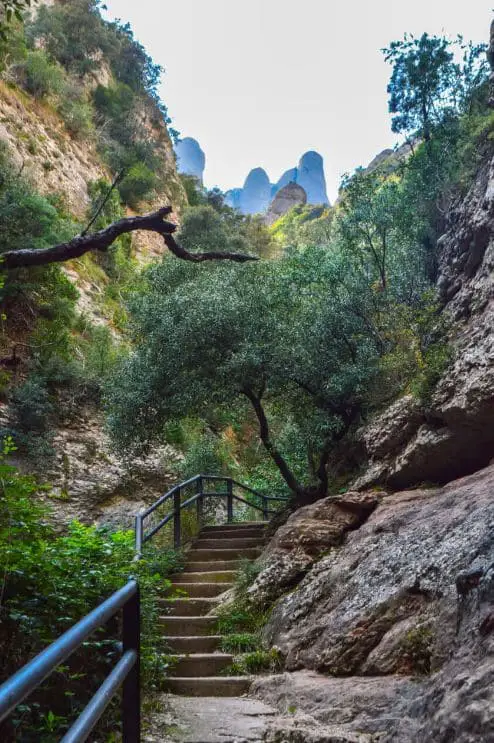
{"x": 427, "y": 82}
{"x": 291, "y": 339}
{"x": 378, "y": 227}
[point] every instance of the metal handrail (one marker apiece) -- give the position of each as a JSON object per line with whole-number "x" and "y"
{"x": 141, "y": 537}
{"x": 126, "y": 672}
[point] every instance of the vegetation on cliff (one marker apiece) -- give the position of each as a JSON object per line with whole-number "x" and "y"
{"x": 305, "y": 346}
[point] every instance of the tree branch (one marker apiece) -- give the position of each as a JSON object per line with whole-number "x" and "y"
{"x": 102, "y": 240}
{"x": 273, "y": 452}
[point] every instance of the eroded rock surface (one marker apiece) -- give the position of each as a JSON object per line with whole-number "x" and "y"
{"x": 308, "y": 533}
{"x": 453, "y": 435}
{"x": 289, "y": 196}
{"x": 399, "y": 617}
{"x": 91, "y": 483}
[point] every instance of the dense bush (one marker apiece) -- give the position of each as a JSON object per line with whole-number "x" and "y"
{"x": 48, "y": 583}
{"x": 41, "y": 77}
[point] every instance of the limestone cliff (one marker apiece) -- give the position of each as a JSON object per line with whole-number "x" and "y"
{"x": 453, "y": 435}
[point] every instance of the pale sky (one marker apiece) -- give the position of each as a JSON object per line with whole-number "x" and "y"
{"x": 260, "y": 82}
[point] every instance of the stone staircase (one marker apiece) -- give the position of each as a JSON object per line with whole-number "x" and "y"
{"x": 189, "y": 627}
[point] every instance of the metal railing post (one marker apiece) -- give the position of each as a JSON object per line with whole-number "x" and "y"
{"x": 265, "y": 513}
{"x": 131, "y": 694}
{"x": 199, "y": 502}
{"x": 229, "y": 500}
{"x": 138, "y": 528}
{"x": 177, "y": 528}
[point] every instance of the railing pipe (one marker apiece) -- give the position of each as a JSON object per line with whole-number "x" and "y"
{"x": 265, "y": 513}
{"x": 229, "y": 501}
{"x": 138, "y": 529}
{"x": 87, "y": 720}
{"x": 177, "y": 529}
{"x": 131, "y": 693}
{"x": 199, "y": 502}
{"x": 28, "y": 678}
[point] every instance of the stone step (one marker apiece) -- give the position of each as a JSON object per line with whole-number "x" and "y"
{"x": 216, "y": 577}
{"x": 211, "y": 566}
{"x": 200, "y": 665}
{"x": 233, "y": 534}
{"x": 193, "y": 644}
{"x": 200, "y": 555}
{"x": 201, "y": 590}
{"x": 175, "y": 626}
{"x": 226, "y": 543}
{"x": 235, "y": 526}
{"x": 213, "y": 686}
{"x": 185, "y": 607}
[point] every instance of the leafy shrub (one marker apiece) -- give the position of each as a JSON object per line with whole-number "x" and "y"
{"x": 242, "y": 642}
{"x": 138, "y": 184}
{"x": 41, "y": 77}
{"x": 49, "y": 582}
{"x": 78, "y": 116}
{"x": 259, "y": 661}
{"x": 33, "y": 412}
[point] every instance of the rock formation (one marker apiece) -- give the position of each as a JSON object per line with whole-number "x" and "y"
{"x": 256, "y": 193}
{"x": 232, "y": 198}
{"x": 310, "y": 175}
{"x": 287, "y": 197}
{"x": 191, "y": 160}
{"x": 391, "y": 595}
{"x": 454, "y": 436}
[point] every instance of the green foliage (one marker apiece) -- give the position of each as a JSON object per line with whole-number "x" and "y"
{"x": 304, "y": 225}
{"x": 244, "y": 642}
{"x": 427, "y": 83}
{"x": 203, "y": 455}
{"x": 417, "y": 648}
{"x": 116, "y": 261}
{"x": 139, "y": 183}
{"x": 42, "y": 78}
{"x": 258, "y": 661}
{"x": 50, "y": 582}
{"x": 12, "y": 10}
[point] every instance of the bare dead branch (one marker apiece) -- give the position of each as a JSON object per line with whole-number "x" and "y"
{"x": 101, "y": 240}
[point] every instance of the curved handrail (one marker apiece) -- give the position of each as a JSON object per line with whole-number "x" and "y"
{"x": 175, "y": 494}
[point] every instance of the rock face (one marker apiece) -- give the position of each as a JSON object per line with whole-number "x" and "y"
{"x": 287, "y": 197}
{"x": 308, "y": 533}
{"x": 455, "y": 435}
{"x": 402, "y": 613}
{"x": 191, "y": 160}
{"x": 310, "y": 175}
{"x": 288, "y": 176}
{"x": 232, "y": 198}
{"x": 92, "y": 484}
{"x": 256, "y": 193}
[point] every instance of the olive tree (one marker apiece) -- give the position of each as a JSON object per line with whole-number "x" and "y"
{"x": 291, "y": 338}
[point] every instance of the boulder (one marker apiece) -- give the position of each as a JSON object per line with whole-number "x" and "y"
{"x": 308, "y": 533}
{"x": 289, "y": 196}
